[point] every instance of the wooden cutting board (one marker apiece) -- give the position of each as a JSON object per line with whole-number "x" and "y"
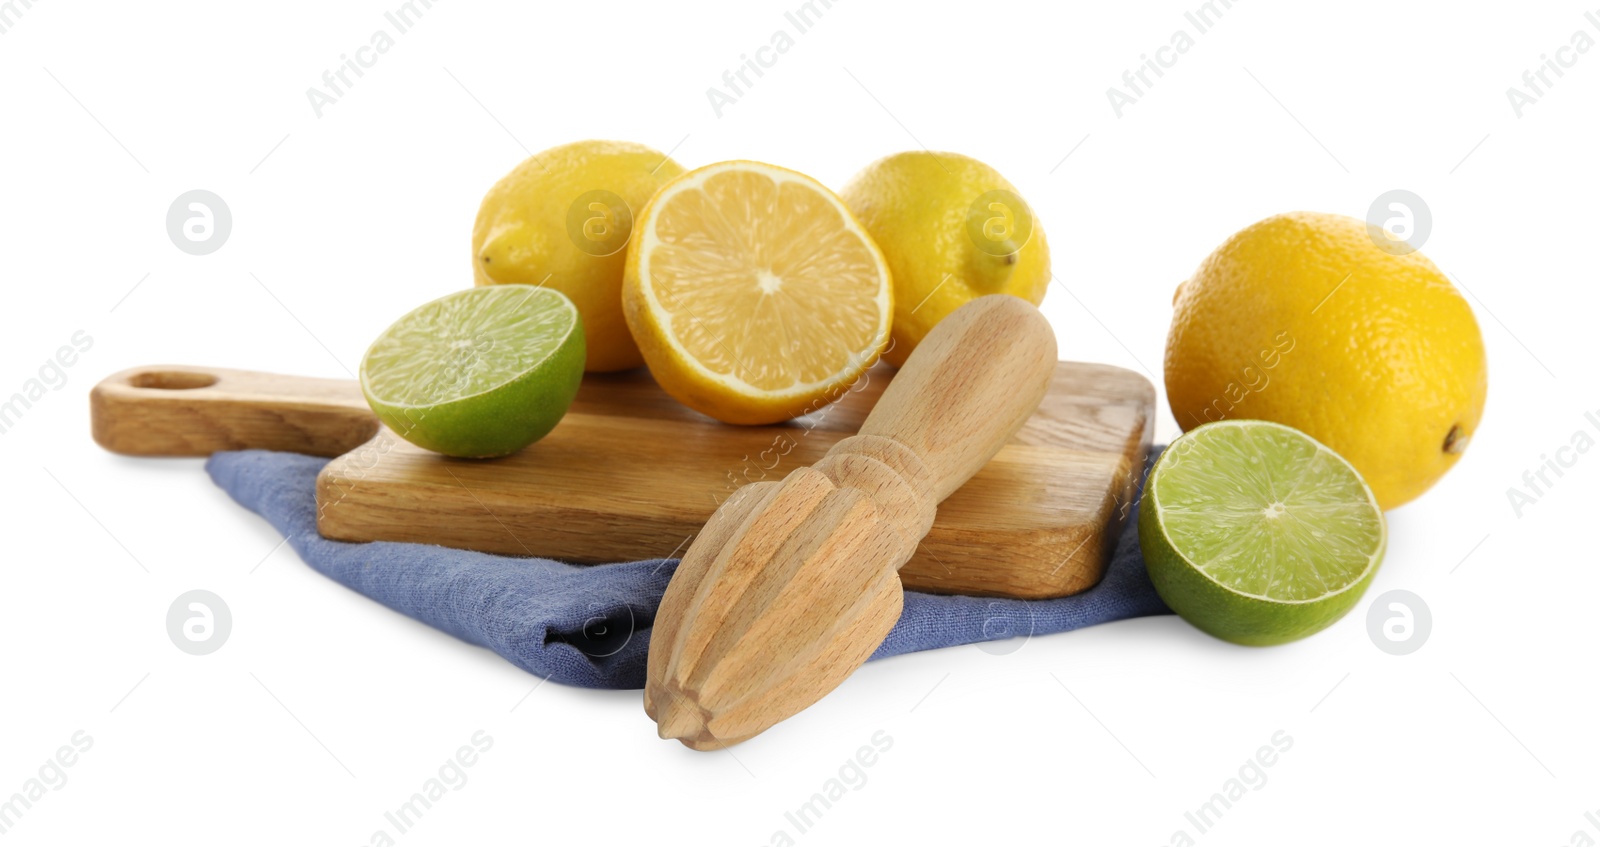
{"x": 630, "y": 473}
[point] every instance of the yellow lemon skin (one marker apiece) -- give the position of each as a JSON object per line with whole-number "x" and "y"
{"x": 1301, "y": 319}
{"x": 554, "y": 220}
{"x": 919, "y": 207}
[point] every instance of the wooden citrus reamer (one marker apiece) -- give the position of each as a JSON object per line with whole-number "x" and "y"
{"x": 791, "y": 585}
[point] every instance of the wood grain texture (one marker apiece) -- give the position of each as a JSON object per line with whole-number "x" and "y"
{"x": 630, "y": 473}
{"x": 786, "y": 593}
{"x": 179, "y": 410}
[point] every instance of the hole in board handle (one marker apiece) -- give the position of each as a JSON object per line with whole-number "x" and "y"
{"x": 172, "y": 380}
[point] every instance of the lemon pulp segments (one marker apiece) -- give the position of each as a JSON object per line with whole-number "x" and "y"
{"x": 1281, "y": 531}
{"x": 758, "y": 281}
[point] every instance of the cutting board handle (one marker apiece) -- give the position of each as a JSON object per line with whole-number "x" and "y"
{"x": 180, "y": 410}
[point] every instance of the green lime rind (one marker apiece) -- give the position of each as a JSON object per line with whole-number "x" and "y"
{"x": 1257, "y": 534}
{"x": 479, "y": 373}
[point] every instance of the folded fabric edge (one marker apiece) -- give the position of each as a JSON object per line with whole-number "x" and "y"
{"x": 596, "y": 634}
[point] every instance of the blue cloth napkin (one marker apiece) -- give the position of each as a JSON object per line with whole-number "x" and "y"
{"x": 589, "y": 625}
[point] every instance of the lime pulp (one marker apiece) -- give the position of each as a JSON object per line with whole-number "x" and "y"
{"x": 1257, "y": 533}
{"x": 477, "y": 373}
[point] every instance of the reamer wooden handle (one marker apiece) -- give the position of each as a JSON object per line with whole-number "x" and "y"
{"x": 793, "y": 584}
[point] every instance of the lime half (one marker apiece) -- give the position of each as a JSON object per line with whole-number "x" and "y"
{"x": 478, "y": 373}
{"x": 1257, "y": 533}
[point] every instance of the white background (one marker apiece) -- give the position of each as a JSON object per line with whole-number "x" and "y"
{"x": 325, "y": 710}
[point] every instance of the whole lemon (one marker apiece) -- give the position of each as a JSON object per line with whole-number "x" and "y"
{"x": 1304, "y": 320}
{"x": 562, "y": 219}
{"x": 952, "y": 229}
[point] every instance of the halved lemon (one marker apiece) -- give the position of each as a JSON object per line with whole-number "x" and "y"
{"x": 753, "y": 294}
